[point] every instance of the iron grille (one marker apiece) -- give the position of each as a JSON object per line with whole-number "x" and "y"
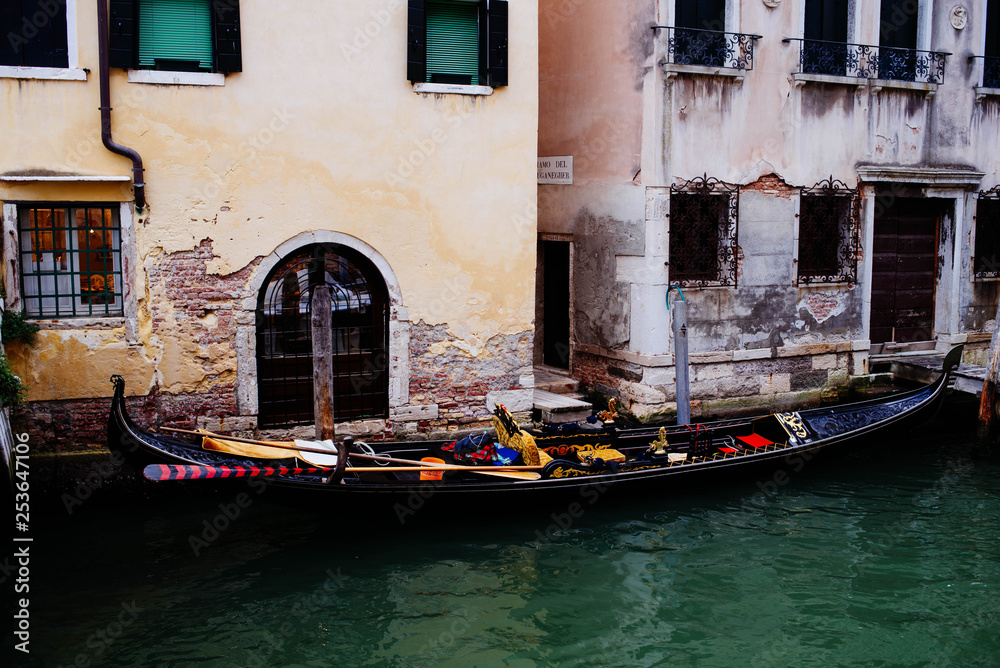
{"x": 703, "y": 233}
{"x": 360, "y": 343}
{"x": 991, "y": 70}
{"x": 71, "y": 260}
{"x": 829, "y": 233}
{"x": 986, "y": 262}
{"x": 865, "y": 61}
{"x": 712, "y": 48}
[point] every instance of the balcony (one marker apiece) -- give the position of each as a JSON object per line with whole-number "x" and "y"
{"x": 924, "y": 69}
{"x": 708, "y": 51}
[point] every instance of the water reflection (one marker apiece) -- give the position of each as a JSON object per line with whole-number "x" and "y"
{"x": 871, "y": 559}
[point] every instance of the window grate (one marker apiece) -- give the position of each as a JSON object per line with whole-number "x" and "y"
{"x": 71, "y": 261}
{"x": 703, "y": 233}
{"x": 986, "y": 261}
{"x": 828, "y": 233}
{"x": 284, "y": 337}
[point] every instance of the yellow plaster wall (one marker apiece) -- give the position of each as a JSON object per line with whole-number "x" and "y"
{"x": 320, "y": 131}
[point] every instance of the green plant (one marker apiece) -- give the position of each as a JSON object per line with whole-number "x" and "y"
{"x": 16, "y": 327}
{"x": 12, "y": 390}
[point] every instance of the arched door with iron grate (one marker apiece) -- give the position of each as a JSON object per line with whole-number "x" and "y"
{"x": 360, "y": 337}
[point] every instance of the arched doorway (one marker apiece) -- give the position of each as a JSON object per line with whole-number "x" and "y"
{"x": 360, "y": 337}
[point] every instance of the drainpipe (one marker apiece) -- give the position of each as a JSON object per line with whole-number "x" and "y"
{"x": 109, "y": 143}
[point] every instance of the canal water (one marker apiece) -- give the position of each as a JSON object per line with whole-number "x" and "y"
{"x": 877, "y": 558}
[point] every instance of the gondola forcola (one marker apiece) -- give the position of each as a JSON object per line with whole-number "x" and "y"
{"x": 545, "y": 463}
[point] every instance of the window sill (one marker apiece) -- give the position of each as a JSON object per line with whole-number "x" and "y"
{"x": 929, "y": 89}
{"x": 177, "y": 78}
{"x": 453, "y": 89}
{"x": 673, "y": 69}
{"x": 983, "y": 92}
{"x": 95, "y": 322}
{"x": 50, "y": 73}
{"x": 799, "y": 79}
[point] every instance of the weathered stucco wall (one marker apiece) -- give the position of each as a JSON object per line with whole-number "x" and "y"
{"x": 321, "y": 131}
{"x": 772, "y": 133}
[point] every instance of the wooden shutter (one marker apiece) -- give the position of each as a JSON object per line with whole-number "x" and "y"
{"x": 122, "y": 30}
{"x": 497, "y": 43}
{"x": 416, "y": 41}
{"x": 452, "y": 42}
{"x": 226, "y": 33}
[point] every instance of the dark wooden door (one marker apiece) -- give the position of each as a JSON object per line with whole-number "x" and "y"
{"x": 555, "y": 290}
{"x": 903, "y": 271}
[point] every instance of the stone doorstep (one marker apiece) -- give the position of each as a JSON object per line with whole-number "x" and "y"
{"x": 555, "y": 381}
{"x": 559, "y": 408}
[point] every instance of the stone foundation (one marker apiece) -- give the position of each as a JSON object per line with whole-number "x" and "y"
{"x": 727, "y": 382}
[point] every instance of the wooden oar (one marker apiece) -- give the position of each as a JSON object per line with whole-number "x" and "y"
{"x": 377, "y": 458}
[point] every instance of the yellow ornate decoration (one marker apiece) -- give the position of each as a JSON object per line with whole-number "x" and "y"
{"x": 520, "y": 442}
{"x": 658, "y": 447}
{"x": 793, "y": 424}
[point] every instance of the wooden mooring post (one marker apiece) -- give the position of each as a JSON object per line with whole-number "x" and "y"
{"x": 322, "y": 349}
{"x": 989, "y": 405}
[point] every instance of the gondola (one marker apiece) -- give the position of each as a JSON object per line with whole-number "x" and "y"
{"x": 545, "y": 467}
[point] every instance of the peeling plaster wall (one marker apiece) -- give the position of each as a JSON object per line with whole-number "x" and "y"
{"x": 321, "y": 131}
{"x": 772, "y": 133}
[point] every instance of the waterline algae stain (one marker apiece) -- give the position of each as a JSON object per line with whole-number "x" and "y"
{"x": 868, "y": 559}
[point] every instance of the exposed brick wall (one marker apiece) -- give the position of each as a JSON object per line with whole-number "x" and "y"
{"x": 594, "y": 373}
{"x": 773, "y": 186}
{"x": 457, "y": 381}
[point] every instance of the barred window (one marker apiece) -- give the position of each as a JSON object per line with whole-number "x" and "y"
{"x": 828, "y": 234}
{"x": 703, "y": 232}
{"x": 71, "y": 260}
{"x": 986, "y": 262}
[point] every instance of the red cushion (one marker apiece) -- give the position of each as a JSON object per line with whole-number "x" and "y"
{"x": 755, "y": 440}
{"x": 727, "y": 450}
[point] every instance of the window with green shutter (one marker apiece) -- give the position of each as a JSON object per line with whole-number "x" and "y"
{"x": 175, "y": 35}
{"x": 453, "y": 42}
{"x": 457, "y": 42}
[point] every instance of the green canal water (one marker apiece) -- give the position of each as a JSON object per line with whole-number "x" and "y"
{"x": 872, "y": 558}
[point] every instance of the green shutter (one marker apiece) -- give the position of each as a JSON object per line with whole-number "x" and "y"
{"x": 175, "y": 30}
{"x": 453, "y": 40}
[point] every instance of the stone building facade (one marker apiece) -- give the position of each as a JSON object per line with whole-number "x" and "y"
{"x": 283, "y": 148}
{"x": 819, "y": 177}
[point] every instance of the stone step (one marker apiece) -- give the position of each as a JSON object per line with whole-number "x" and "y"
{"x": 555, "y": 381}
{"x": 558, "y": 408}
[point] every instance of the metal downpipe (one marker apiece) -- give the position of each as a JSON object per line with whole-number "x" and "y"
{"x": 103, "y": 67}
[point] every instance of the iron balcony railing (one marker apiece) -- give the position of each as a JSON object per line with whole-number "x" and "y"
{"x": 866, "y": 61}
{"x": 991, "y": 70}
{"x": 711, "y": 48}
